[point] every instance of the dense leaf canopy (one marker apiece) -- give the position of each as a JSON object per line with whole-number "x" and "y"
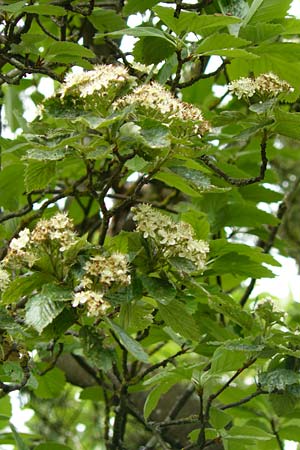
{"x": 156, "y": 180}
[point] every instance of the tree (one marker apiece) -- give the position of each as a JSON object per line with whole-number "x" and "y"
{"x": 138, "y": 209}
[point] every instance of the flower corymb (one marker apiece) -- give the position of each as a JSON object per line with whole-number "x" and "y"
{"x": 155, "y": 101}
{"x": 176, "y": 239}
{"x": 265, "y": 85}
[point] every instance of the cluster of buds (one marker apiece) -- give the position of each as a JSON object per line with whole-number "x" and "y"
{"x": 25, "y": 249}
{"x": 103, "y": 272}
{"x": 100, "y": 85}
{"x": 175, "y": 239}
{"x": 154, "y": 101}
{"x": 4, "y": 279}
{"x": 266, "y": 85}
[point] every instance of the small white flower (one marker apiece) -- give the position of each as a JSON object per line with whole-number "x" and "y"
{"x": 157, "y": 102}
{"x": 21, "y": 242}
{"x": 174, "y": 238}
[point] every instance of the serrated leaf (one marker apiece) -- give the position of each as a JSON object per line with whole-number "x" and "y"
{"x": 278, "y": 379}
{"x": 267, "y": 11}
{"x": 129, "y": 343}
{"x": 287, "y": 124}
{"x": 160, "y": 290}
{"x": 106, "y": 20}
{"x": 68, "y": 48}
{"x": 92, "y": 343}
{"x": 221, "y": 41}
{"x": 141, "y": 32}
{"x": 22, "y": 286}
{"x": 225, "y": 360}
{"x": 51, "y": 384}
{"x": 176, "y": 316}
{"x": 230, "y": 309}
{"x": 38, "y": 174}
{"x": 192, "y": 22}
{"x": 40, "y": 311}
{"x": 150, "y": 50}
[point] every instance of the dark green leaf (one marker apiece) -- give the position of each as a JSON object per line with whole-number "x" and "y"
{"x": 160, "y": 290}
{"x": 129, "y": 343}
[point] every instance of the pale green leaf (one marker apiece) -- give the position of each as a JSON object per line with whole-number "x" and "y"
{"x": 51, "y": 384}
{"x": 176, "y": 316}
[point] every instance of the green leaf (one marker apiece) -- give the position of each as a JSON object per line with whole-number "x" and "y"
{"x": 160, "y": 290}
{"x": 230, "y": 309}
{"x": 220, "y": 41}
{"x": 68, "y": 48}
{"x": 51, "y": 384}
{"x": 225, "y": 360}
{"x": 240, "y": 265}
{"x": 192, "y": 22}
{"x": 129, "y": 343}
{"x": 22, "y": 286}
{"x": 219, "y": 419}
{"x": 267, "y": 11}
{"x": 141, "y": 32}
{"x": 94, "y": 393}
{"x": 40, "y": 311}
{"x": 134, "y": 6}
{"x": 19, "y": 441}
{"x": 149, "y": 50}
{"x": 278, "y": 379}
{"x": 174, "y": 180}
{"x": 247, "y": 435}
{"x": 15, "y": 7}
{"x": 45, "y": 10}
{"x": 11, "y": 186}
{"x": 283, "y": 403}
{"x": 176, "y": 316}
{"x": 106, "y": 20}
{"x": 154, "y": 397}
{"x": 287, "y": 124}
{"x": 38, "y": 174}
{"x": 92, "y": 343}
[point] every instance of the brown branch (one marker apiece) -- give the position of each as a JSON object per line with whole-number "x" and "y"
{"x": 243, "y": 400}
{"x": 201, "y": 76}
{"x": 242, "y": 181}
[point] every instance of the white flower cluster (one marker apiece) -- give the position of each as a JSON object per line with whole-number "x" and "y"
{"x": 265, "y": 85}
{"x": 24, "y": 250}
{"x": 59, "y": 228}
{"x": 103, "y": 271}
{"x": 4, "y": 279}
{"x": 175, "y": 238}
{"x": 103, "y": 81}
{"x": 96, "y": 305}
{"x": 155, "y": 101}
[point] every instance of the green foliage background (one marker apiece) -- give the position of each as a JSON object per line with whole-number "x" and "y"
{"x": 182, "y": 359}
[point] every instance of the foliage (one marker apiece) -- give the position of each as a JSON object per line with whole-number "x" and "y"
{"x": 138, "y": 209}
